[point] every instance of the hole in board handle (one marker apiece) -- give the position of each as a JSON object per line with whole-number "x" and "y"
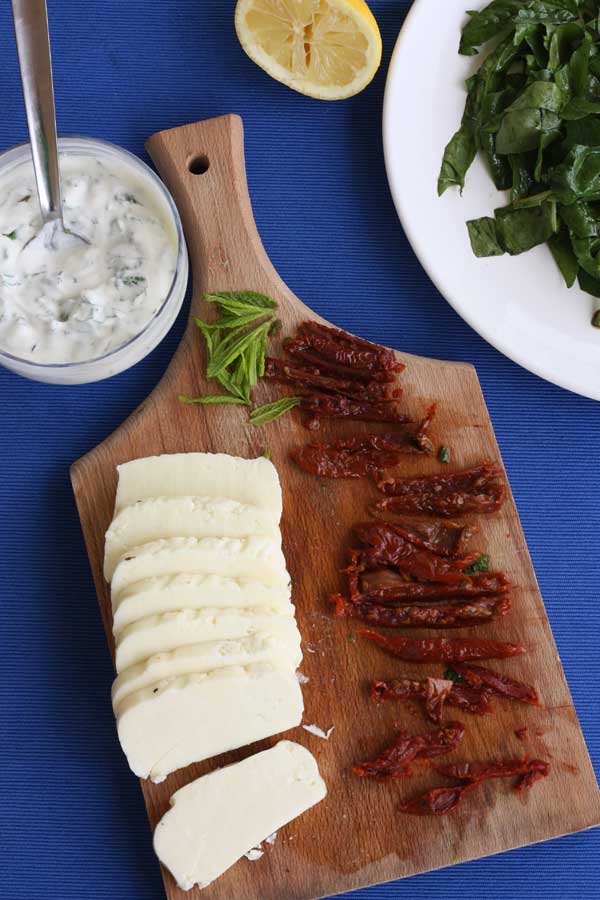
{"x": 198, "y": 165}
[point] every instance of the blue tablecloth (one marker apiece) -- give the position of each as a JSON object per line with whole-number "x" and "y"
{"x": 73, "y": 823}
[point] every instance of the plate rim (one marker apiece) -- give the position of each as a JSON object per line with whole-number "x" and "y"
{"x": 574, "y": 386}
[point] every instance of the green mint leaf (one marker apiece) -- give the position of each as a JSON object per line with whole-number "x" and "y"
{"x": 451, "y": 675}
{"x": 267, "y": 453}
{"x": 241, "y": 301}
{"x": 230, "y": 350}
{"x": 226, "y": 381}
{"x": 217, "y": 398}
{"x": 444, "y": 454}
{"x": 262, "y": 415}
{"x": 481, "y": 564}
{"x": 11, "y": 235}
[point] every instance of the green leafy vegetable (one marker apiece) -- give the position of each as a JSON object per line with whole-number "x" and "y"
{"x": 214, "y": 398}
{"x": 11, "y": 235}
{"x": 533, "y": 112}
{"x": 444, "y": 454}
{"x": 452, "y": 675}
{"x": 262, "y": 415}
{"x": 267, "y": 453}
{"x": 481, "y": 564}
{"x": 236, "y": 343}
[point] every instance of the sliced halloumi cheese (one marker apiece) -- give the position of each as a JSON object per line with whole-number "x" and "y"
{"x": 190, "y": 718}
{"x": 253, "y": 481}
{"x": 270, "y": 645}
{"x": 166, "y": 517}
{"x": 167, "y": 631}
{"x": 257, "y": 557}
{"x": 215, "y": 819}
{"x": 165, "y": 593}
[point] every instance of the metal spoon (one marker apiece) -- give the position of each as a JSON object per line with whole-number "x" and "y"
{"x": 33, "y": 47}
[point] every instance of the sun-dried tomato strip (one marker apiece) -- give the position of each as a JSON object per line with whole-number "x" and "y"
{"x": 478, "y": 490}
{"x": 442, "y": 538}
{"x": 310, "y": 378}
{"x": 527, "y": 770}
{"x": 502, "y": 685}
{"x": 478, "y": 611}
{"x": 387, "y": 547}
{"x": 343, "y": 349}
{"x": 388, "y": 588}
{"x": 334, "y": 406}
{"x": 445, "y": 692}
{"x": 443, "y": 649}
{"x": 357, "y": 456}
{"x": 422, "y": 438}
{"x": 301, "y": 351}
{"x": 440, "y": 801}
{"x": 394, "y": 760}
{"x": 437, "y": 801}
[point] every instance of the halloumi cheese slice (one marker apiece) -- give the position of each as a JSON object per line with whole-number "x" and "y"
{"x": 165, "y": 593}
{"x": 252, "y": 481}
{"x": 215, "y": 819}
{"x": 258, "y": 557}
{"x": 167, "y": 631}
{"x": 263, "y": 646}
{"x": 190, "y": 718}
{"x": 166, "y": 517}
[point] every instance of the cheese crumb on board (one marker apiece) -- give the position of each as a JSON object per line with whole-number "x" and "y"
{"x": 318, "y": 732}
{"x": 219, "y": 818}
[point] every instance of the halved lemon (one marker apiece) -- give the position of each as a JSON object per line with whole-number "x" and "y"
{"x": 328, "y": 49}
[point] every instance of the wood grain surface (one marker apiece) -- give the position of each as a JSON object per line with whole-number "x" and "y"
{"x": 356, "y": 836}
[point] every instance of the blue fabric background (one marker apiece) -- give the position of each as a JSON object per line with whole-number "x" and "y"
{"x": 73, "y": 822}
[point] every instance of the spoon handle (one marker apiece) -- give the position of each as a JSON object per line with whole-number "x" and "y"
{"x": 33, "y": 47}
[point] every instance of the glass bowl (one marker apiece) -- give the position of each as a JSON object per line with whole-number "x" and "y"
{"x": 135, "y": 349}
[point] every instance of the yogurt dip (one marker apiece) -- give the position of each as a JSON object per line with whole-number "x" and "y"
{"x": 66, "y": 301}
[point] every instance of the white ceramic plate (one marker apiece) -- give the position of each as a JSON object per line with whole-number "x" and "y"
{"x": 519, "y": 304}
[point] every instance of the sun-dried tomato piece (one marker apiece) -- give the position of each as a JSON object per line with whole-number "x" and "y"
{"x": 435, "y": 693}
{"x": 528, "y": 770}
{"x": 309, "y": 378}
{"x": 422, "y": 438}
{"x": 345, "y": 350}
{"x": 440, "y": 801}
{"x": 387, "y": 547}
{"x": 357, "y": 456}
{"x": 443, "y": 649}
{"x": 478, "y": 611}
{"x": 437, "y": 801}
{"x": 477, "y": 490}
{"x": 442, "y": 538}
{"x": 387, "y": 587}
{"x": 475, "y": 701}
{"x": 394, "y": 760}
{"x": 335, "y": 406}
{"x": 501, "y": 685}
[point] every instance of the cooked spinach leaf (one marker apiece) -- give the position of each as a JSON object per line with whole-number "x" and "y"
{"x": 533, "y": 112}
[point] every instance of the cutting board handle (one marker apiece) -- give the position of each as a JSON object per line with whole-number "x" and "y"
{"x": 203, "y": 166}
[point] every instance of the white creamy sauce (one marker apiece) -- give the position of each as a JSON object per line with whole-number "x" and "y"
{"x": 63, "y": 300}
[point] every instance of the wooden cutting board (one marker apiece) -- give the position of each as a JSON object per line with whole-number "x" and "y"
{"x": 356, "y": 836}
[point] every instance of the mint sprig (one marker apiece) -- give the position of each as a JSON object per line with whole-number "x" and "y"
{"x": 262, "y": 415}
{"x": 236, "y": 343}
